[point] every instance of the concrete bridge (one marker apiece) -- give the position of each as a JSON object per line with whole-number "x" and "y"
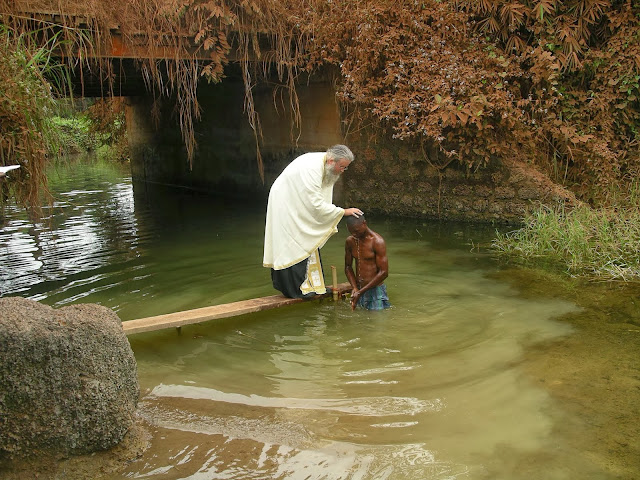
{"x": 225, "y": 161}
{"x": 389, "y": 176}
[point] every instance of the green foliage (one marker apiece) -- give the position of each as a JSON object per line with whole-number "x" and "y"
{"x": 35, "y": 127}
{"x": 26, "y": 107}
{"x": 602, "y": 243}
{"x": 107, "y": 123}
{"x": 74, "y": 134}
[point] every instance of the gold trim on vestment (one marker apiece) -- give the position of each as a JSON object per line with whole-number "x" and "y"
{"x": 314, "y": 282}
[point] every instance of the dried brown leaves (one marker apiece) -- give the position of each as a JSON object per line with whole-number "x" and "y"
{"x": 547, "y": 81}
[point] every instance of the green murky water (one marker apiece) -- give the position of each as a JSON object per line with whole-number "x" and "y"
{"x": 479, "y": 371}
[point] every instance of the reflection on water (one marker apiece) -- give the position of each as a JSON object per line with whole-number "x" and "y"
{"x": 431, "y": 389}
{"x": 72, "y": 251}
{"x": 167, "y": 252}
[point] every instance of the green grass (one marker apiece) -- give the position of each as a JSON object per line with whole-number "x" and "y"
{"x": 601, "y": 243}
{"x": 74, "y": 134}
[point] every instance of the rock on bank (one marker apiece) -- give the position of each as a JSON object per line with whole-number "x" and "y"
{"x": 68, "y": 378}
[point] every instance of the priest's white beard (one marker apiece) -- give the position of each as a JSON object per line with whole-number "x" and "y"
{"x": 330, "y": 177}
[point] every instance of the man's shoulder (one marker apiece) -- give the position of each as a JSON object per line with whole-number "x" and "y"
{"x": 377, "y": 237}
{"x": 309, "y": 156}
{"x": 307, "y": 163}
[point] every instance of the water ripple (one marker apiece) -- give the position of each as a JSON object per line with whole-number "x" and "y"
{"x": 88, "y": 235}
{"x": 367, "y": 406}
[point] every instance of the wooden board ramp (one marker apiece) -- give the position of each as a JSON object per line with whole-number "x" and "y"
{"x": 214, "y": 312}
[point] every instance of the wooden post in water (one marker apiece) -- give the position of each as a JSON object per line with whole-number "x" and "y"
{"x": 334, "y": 275}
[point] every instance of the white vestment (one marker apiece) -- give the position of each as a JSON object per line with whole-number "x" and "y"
{"x": 300, "y": 214}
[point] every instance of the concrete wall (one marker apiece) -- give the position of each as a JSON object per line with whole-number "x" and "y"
{"x": 399, "y": 178}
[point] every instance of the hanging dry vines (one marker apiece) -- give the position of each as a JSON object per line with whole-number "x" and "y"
{"x": 546, "y": 81}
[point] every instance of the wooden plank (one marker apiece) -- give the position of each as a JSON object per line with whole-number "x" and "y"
{"x": 198, "y": 315}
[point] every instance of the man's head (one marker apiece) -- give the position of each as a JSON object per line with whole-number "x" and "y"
{"x": 338, "y": 159}
{"x": 357, "y": 225}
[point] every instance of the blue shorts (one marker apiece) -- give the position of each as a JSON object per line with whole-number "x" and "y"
{"x": 375, "y": 299}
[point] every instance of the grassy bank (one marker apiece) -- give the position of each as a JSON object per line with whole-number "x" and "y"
{"x": 601, "y": 243}
{"x": 37, "y": 126}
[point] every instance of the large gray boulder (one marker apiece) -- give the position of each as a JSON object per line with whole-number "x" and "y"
{"x": 68, "y": 379}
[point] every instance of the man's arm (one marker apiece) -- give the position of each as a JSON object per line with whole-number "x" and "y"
{"x": 382, "y": 262}
{"x": 348, "y": 263}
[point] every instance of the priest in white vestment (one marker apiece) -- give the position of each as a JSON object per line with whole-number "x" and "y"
{"x": 301, "y": 217}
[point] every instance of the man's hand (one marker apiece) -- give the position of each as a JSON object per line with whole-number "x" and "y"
{"x": 355, "y": 295}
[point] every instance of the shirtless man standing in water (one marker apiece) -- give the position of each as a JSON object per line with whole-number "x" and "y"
{"x": 372, "y": 266}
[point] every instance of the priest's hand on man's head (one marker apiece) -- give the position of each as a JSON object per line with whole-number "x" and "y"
{"x": 356, "y": 212}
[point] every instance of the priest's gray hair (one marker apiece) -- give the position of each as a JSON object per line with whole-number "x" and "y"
{"x": 338, "y": 152}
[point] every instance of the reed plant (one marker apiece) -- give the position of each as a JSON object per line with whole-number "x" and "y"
{"x": 599, "y": 243}
{"x": 29, "y": 138}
